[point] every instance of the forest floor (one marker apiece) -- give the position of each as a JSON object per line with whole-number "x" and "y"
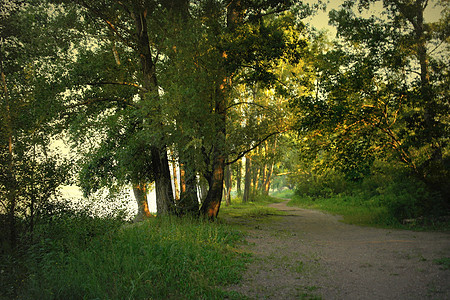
{"x": 307, "y": 254}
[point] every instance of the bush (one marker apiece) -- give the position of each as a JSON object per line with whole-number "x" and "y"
{"x": 323, "y": 185}
{"x": 390, "y": 194}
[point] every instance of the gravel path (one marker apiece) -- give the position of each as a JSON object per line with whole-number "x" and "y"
{"x": 307, "y": 254}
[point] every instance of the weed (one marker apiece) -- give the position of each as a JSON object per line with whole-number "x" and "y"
{"x": 305, "y": 293}
{"x": 299, "y": 266}
{"x": 443, "y": 262}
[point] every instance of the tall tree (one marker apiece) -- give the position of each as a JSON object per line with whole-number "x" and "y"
{"x": 121, "y": 96}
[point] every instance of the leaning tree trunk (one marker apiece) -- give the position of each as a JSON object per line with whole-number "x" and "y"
{"x": 163, "y": 183}
{"x": 211, "y": 204}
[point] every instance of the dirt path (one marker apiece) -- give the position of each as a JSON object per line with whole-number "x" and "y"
{"x": 307, "y": 254}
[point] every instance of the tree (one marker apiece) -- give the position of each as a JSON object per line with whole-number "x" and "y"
{"x": 217, "y": 70}
{"x": 118, "y": 97}
{"x": 373, "y": 96}
{"x": 30, "y": 172}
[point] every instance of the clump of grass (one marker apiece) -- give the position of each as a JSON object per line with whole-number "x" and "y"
{"x": 360, "y": 210}
{"x": 249, "y": 210}
{"x": 161, "y": 258}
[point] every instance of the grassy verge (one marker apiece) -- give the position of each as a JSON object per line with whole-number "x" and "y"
{"x": 254, "y": 209}
{"x": 350, "y": 208}
{"x": 162, "y": 258}
{"x": 284, "y": 194}
{"x": 358, "y": 211}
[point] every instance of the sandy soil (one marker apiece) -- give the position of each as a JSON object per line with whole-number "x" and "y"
{"x": 307, "y": 254}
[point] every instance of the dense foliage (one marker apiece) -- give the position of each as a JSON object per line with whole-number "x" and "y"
{"x": 379, "y": 100}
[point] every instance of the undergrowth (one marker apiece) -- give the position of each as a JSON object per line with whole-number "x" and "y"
{"x": 395, "y": 206}
{"x": 389, "y": 197}
{"x": 82, "y": 257}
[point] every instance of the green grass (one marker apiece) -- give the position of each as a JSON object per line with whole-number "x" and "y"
{"x": 357, "y": 210}
{"x": 254, "y": 209}
{"x": 162, "y": 258}
{"x": 353, "y": 210}
{"x": 283, "y": 194}
{"x": 76, "y": 256}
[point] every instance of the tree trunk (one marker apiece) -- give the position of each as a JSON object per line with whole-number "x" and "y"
{"x": 426, "y": 89}
{"x": 416, "y": 18}
{"x": 268, "y": 179}
{"x": 163, "y": 183}
{"x": 10, "y": 176}
{"x": 175, "y": 177}
{"x": 255, "y": 178}
{"x": 182, "y": 179}
{"x": 203, "y": 187}
{"x": 262, "y": 178}
{"x": 247, "y": 179}
{"x": 239, "y": 177}
{"x": 140, "y": 194}
{"x": 228, "y": 185}
{"x": 211, "y": 204}
{"x": 160, "y": 162}
{"x": 269, "y": 172}
{"x": 188, "y": 197}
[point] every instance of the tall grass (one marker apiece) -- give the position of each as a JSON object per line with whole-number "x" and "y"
{"x": 162, "y": 258}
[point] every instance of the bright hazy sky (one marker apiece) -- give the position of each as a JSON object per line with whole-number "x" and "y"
{"x": 320, "y": 20}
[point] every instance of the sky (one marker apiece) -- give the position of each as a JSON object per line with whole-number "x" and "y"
{"x": 320, "y": 20}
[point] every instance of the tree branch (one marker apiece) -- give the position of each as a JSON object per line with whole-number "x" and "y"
{"x": 250, "y": 103}
{"x": 131, "y": 84}
{"x": 110, "y": 25}
{"x": 91, "y": 101}
{"x": 242, "y": 153}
